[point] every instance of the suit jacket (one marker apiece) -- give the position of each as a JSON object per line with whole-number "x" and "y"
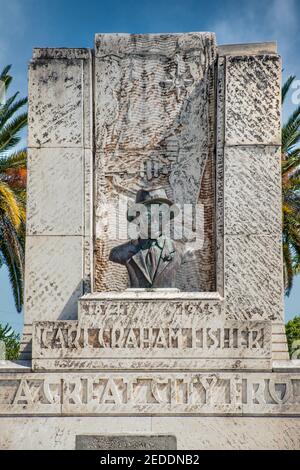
{"x": 133, "y": 254}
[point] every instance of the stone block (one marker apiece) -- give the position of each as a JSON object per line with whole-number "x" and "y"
{"x": 55, "y": 191}
{"x": 253, "y": 277}
{"x": 58, "y": 433}
{"x": 252, "y": 190}
{"x": 126, "y": 336}
{"x": 53, "y": 276}
{"x": 238, "y": 433}
{"x": 253, "y": 100}
{"x": 59, "y": 103}
{"x": 252, "y": 48}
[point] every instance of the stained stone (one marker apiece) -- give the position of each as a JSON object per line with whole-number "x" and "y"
{"x": 59, "y": 102}
{"x": 252, "y": 202}
{"x": 253, "y": 100}
{"x": 47, "y": 283}
{"x": 55, "y": 180}
{"x": 253, "y": 277}
{"x": 126, "y": 442}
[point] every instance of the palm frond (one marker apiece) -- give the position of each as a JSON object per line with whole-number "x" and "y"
{"x": 10, "y": 205}
{"x": 288, "y": 268}
{"x": 15, "y": 271}
{"x": 9, "y": 133}
{"x": 8, "y": 111}
{"x": 14, "y": 160}
{"x": 286, "y": 87}
{"x": 5, "y": 71}
{"x": 294, "y": 117}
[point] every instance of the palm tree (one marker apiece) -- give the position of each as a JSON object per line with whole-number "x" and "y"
{"x": 291, "y": 192}
{"x": 12, "y": 187}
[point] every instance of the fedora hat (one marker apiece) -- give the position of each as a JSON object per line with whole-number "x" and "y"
{"x": 153, "y": 196}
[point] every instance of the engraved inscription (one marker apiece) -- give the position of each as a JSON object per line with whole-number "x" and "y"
{"x": 209, "y": 338}
{"x": 142, "y": 393}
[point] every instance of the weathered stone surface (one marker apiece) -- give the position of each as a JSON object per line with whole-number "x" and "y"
{"x": 219, "y": 183}
{"x": 88, "y": 217}
{"x": 253, "y": 100}
{"x": 53, "y": 276}
{"x": 252, "y": 192}
{"x": 151, "y": 338}
{"x": 203, "y": 393}
{"x": 59, "y": 103}
{"x": 192, "y": 432}
{"x": 253, "y": 277}
{"x": 235, "y": 433}
{"x": 252, "y": 48}
{"x": 55, "y": 192}
{"x": 61, "y": 53}
{"x": 126, "y": 442}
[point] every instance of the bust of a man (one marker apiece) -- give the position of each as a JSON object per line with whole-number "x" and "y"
{"x": 153, "y": 258}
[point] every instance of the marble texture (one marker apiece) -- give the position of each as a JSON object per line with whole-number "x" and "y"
{"x": 55, "y": 191}
{"x": 199, "y": 433}
{"x": 59, "y": 102}
{"x": 253, "y": 277}
{"x": 163, "y": 337}
{"x": 53, "y": 277}
{"x": 252, "y": 179}
{"x": 253, "y": 100}
{"x": 147, "y": 393}
{"x": 140, "y": 82}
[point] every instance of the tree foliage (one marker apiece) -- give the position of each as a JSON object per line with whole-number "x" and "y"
{"x": 11, "y": 342}
{"x": 12, "y": 186}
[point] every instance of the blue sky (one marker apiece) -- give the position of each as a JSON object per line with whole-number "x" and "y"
{"x": 25, "y": 24}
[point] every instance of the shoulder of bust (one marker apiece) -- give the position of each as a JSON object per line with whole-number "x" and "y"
{"x": 121, "y": 253}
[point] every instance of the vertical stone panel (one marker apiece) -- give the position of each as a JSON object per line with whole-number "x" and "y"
{"x": 59, "y": 143}
{"x": 154, "y": 127}
{"x": 252, "y": 185}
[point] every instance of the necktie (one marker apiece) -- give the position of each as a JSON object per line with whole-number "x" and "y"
{"x": 151, "y": 260}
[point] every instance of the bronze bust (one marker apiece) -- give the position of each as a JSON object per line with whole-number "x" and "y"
{"x": 152, "y": 260}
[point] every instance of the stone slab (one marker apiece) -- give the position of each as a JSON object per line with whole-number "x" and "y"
{"x": 58, "y": 433}
{"x": 142, "y": 81}
{"x": 59, "y": 102}
{"x": 198, "y": 433}
{"x": 151, "y": 339}
{"x": 253, "y": 100}
{"x": 61, "y": 53}
{"x": 253, "y": 277}
{"x": 147, "y": 393}
{"x": 15, "y": 366}
{"x": 255, "y": 48}
{"x": 147, "y": 44}
{"x": 234, "y": 433}
{"x": 126, "y": 442}
{"x": 252, "y": 190}
{"x": 53, "y": 277}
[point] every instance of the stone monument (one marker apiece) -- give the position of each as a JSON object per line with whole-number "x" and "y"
{"x": 114, "y": 359}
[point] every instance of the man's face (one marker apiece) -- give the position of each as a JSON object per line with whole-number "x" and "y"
{"x": 152, "y": 221}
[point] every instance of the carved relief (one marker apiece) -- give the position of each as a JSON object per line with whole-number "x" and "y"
{"x": 154, "y": 126}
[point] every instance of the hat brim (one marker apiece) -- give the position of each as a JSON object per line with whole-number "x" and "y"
{"x": 157, "y": 200}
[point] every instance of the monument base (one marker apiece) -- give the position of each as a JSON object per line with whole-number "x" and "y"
{"x": 199, "y": 410}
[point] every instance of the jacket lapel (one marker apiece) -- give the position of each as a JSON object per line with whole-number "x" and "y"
{"x": 166, "y": 256}
{"x": 140, "y": 261}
